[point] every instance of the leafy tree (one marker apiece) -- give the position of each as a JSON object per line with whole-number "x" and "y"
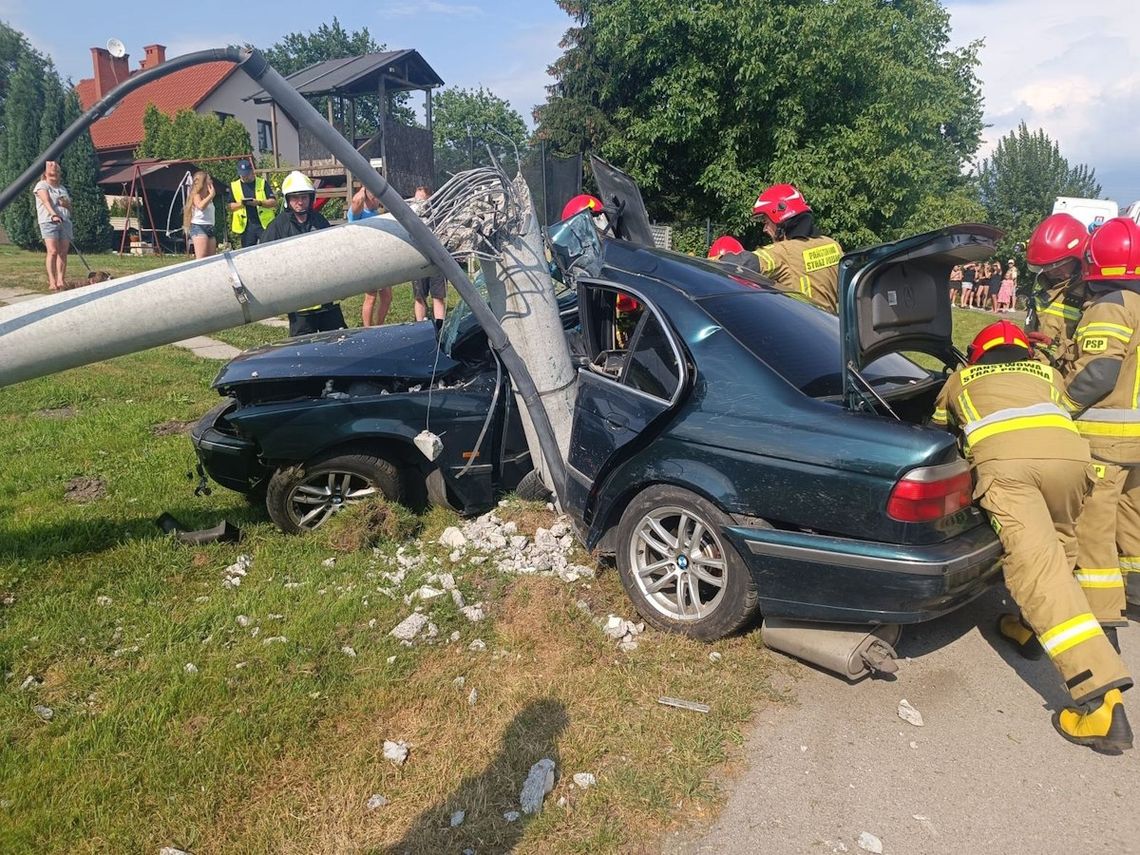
{"x": 862, "y": 104}
{"x": 90, "y": 216}
{"x": 51, "y": 112}
{"x": 190, "y": 136}
{"x": 300, "y": 50}
{"x": 22, "y": 108}
{"x": 1020, "y": 180}
{"x": 465, "y": 122}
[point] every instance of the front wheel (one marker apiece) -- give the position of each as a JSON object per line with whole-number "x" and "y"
{"x": 678, "y": 569}
{"x": 302, "y": 498}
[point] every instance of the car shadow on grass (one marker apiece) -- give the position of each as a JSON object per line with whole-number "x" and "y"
{"x": 76, "y": 537}
{"x": 531, "y": 736}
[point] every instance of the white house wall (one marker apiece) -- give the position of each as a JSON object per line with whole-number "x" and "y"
{"x": 227, "y": 98}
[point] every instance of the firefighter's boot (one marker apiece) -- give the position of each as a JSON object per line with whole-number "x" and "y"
{"x": 1102, "y": 728}
{"x": 1014, "y": 630}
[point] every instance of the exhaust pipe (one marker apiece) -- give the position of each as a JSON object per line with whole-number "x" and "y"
{"x": 851, "y": 651}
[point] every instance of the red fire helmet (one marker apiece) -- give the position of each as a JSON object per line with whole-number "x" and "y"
{"x": 996, "y": 335}
{"x": 1113, "y": 251}
{"x": 1057, "y": 237}
{"x": 723, "y": 244}
{"x": 580, "y": 203}
{"x": 780, "y": 202}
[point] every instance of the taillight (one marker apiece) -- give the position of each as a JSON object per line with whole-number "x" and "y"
{"x": 931, "y": 493}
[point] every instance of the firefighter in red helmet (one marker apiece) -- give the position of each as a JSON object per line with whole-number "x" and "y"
{"x": 1032, "y": 470}
{"x": 1055, "y": 251}
{"x": 1101, "y": 391}
{"x": 799, "y": 260}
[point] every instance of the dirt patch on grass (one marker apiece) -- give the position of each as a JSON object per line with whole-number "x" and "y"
{"x": 549, "y": 684}
{"x": 173, "y": 427}
{"x": 85, "y": 489}
{"x": 368, "y": 524}
{"x": 57, "y": 413}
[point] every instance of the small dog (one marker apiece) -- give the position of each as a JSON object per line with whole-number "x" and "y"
{"x": 92, "y": 278}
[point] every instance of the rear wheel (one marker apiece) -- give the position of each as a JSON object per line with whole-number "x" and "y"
{"x": 677, "y": 567}
{"x": 302, "y": 498}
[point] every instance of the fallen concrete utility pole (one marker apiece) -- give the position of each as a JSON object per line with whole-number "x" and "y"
{"x": 97, "y": 322}
{"x": 256, "y": 66}
{"x": 531, "y": 320}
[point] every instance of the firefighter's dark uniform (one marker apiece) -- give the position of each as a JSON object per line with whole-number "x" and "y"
{"x": 327, "y": 316}
{"x": 808, "y": 267}
{"x": 1032, "y": 473}
{"x": 1103, "y": 390}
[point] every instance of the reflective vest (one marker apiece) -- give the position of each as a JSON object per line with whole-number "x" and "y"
{"x": 1010, "y": 411}
{"x": 805, "y": 267}
{"x": 1103, "y": 387}
{"x": 239, "y": 218}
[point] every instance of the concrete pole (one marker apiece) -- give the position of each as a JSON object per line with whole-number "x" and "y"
{"x": 98, "y": 322}
{"x": 522, "y": 294}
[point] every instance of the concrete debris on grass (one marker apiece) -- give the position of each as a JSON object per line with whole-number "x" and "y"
{"x": 410, "y": 627}
{"x": 539, "y": 781}
{"x": 548, "y": 554}
{"x": 511, "y": 815}
{"x": 46, "y": 713}
{"x": 477, "y": 646}
{"x": 473, "y": 698}
{"x": 584, "y": 780}
{"x": 473, "y": 613}
{"x": 275, "y": 639}
{"x": 715, "y": 657}
{"x": 31, "y": 682}
{"x": 234, "y": 573}
{"x": 909, "y": 714}
{"x": 870, "y": 843}
{"x": 190, "y": 668}
{"x": 376, "y": 801}
{"x": 103, "y": 600}
{"x": 397, "y": 751}
{"x": 244, "y": 621}
{"x": 457, "y": 818}
{"x": 348, "y": 651}
{"x": 170, "y": 850}
{"x": 622, "y": 631}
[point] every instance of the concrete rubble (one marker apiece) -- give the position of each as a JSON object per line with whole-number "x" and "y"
{"x": 234, "y": 573}
{"x": 870, "y": 843}
{"x": 623, "y": 631}
{"x": 584, "y": 780}
{"x": 376, "y": 801}
{"x": 539, "y": 781}
{"x": 548, "y": 554}
{"x": 397, "y": 751}
{"x": 457, "y": 818}
{"x": 909, "y": 714}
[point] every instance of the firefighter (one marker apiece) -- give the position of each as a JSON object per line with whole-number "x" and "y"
{"x": 1055, "y": 251}
{"x": 1032, "y": 471}
{"x": 1102, "y": 391}
{"x": 297, "y": 218}
{"x": 725, "y": 244}
{"x": 799, "y": 260}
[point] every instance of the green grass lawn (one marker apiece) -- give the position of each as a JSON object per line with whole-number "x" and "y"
{"x": 178, "y": 718}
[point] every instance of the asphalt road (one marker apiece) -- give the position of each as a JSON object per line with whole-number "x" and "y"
{"x": 985, "y": 774}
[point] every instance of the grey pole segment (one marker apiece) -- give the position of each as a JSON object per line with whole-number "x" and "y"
{"x": 425, "y": 240}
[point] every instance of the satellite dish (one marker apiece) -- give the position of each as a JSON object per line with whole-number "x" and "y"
{"x": 116, "y": 48}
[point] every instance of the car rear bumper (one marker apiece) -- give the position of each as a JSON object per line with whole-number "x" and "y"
{"x": 819, "y": 578}
{"x": 228, "y": 459}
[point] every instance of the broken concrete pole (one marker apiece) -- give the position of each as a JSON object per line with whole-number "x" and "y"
{"x": 539, "y": 781}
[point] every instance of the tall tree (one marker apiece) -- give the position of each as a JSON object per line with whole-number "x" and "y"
{"x": 22, "y": 109}
{"x": 92, "y": 220}
{"x": 1024, "y": 175}
{"x": 861, "y": 103}
{"x": 466, "y": 122}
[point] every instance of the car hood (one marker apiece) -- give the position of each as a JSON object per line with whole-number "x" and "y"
{"x": 895, "y": 297}
{"x": 405, "y": 351}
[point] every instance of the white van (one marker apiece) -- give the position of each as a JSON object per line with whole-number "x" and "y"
{"x": 1132, "y": 212}
{"x": 1091, "y": 212}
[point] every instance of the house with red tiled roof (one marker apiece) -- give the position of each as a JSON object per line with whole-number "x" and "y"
{"x": 215, "y": 87}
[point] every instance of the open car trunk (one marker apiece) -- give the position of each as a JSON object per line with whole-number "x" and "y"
{"x": 895, "y": 298}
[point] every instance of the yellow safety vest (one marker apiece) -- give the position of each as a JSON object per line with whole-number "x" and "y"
{"x": 239, "y": 218}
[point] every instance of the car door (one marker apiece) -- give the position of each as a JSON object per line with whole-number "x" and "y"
{"x": 895, "y": 297}
{"x": 636, "y": 375}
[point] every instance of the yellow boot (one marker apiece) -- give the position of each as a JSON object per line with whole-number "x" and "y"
{"x": 1103, "y": 728}
{"x": 1013, "y": 629}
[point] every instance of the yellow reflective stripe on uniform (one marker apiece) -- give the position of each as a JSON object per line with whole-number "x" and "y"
{"x": 1061, "y": 309}
{"x": 1065, "y": 636}
{"x": 1129, "y": 564}
{"x": 941, "y": 415}
{"x": 1108, "y": 578}
{"x": 1109, "y": 421}
{"x": 805, "y": 286}
{"x": 767, "y": 261}
{"x": 1103, "y": 328}
{"x": 1018, "y": 418}
{"x": 972, "y": 414}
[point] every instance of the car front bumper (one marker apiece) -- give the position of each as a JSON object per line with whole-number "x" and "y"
{"x": 228, "y": 459}
{"x": 813, "y": 577}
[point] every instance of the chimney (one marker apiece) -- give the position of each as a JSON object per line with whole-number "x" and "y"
{"x": 155, "y": 55}
{"x": 110, "y": 71}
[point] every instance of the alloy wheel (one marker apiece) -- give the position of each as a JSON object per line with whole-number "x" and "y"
{"x": 678, "y": 563}
{"x": 317, "y": 497}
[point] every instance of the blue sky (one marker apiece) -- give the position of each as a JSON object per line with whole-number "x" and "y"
{"x": 1065, "y": 68}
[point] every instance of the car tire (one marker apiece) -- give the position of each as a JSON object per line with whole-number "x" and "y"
{"x": 532, "y": 489}
{"x": 681, "y": 578}
{"x": 302, "y": 498}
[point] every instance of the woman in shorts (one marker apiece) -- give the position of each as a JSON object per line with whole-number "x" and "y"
{"x": 53, "y": 212}
{"x": 955, "y": 283}
{"x": 969, "y": 272}
{"x": 198, "y": 215}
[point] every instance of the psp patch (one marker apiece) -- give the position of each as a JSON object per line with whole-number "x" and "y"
{"x": 1097, "y": 344}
